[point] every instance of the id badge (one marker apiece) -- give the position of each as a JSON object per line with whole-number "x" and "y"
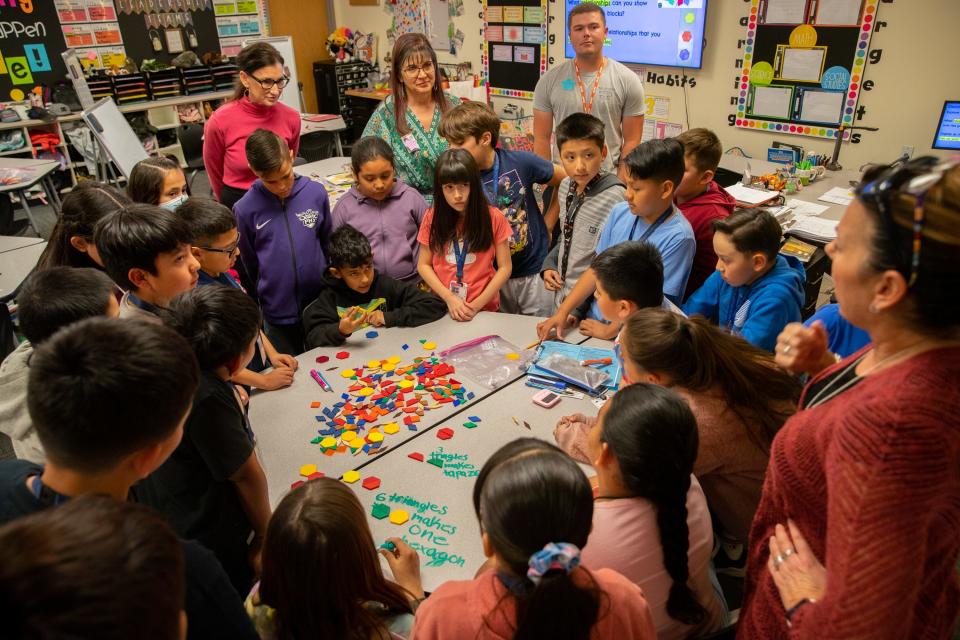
{"x": 410, "y": 143}
{"x": 459, "y": 289}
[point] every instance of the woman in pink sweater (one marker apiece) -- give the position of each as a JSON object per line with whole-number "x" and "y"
{"x": 535, "y": 509}
{"x": 856, "y": 533}
{"x": 255, "y": 105}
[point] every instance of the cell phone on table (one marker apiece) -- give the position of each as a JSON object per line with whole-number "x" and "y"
{"x": 546, "y": 399}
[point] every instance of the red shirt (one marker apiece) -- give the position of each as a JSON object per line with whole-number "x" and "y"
{"x": 225, "y": 138}
{"x": 478, "y": 270}
{"x": 713, "y": 204}
{"x": 872, "y": 480}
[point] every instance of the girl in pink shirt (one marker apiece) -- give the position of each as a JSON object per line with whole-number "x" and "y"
{"x": 535, "y": 509}
{"x": 651, "y": 521}
{"x": 460, "y": 237}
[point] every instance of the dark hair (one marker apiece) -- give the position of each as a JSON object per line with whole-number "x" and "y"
{"x": 407, "y": 46}
{"x": 653, "y": 435}
{"x": 752, "y": 231}
{"x": 470, "y": 119}
{"x": 146, "y": 180}
{"x": 586, "y": 7}
{"x": 252, "y": 57}
{"x": 699, "y": 356}
{"x": 91, "y": 568}
{"x": 53, "y": 298}
{"x": 133, "y": 237}
{"x": 457, "y": 166}
{"x": 348, "y": 248}
{"x": 659, "y": 160}
{"x": 79, "y": 212}
{"x": 631, "y": 271}
{"x": 528, "y": 494}
{"x": 580, "y": 126}
{"x": 320, "y": 565}
{"x": 703, "y": 146}
{"x": 934, "y": 306}
{"x": 218, "y": 322}
{"x": 104, "y": 388}
{"x": 206, "y": 219}
{"x": 367, "y": 149}
{"x": 266, "y": 151}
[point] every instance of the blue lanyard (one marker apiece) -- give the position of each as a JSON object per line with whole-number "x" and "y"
{"x": 492, "y": 194}
{"x": 461, "y": 254}
{"x": 44, "y": 494}
{"x": 137, "y": 302}
{"x": 659, "y": 221}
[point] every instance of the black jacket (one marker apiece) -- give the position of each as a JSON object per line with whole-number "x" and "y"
{"x": 406, "y": 306}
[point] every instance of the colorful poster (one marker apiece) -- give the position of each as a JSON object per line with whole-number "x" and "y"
{"x": 503, "y": 53}
{"x": 494, "y": 14}
{"x": 524, "y": 55}
{"x": 534, "y": 35}
{"x": 71, "y": 10}
{"x": 494, "y": 33}
{"x": 246, "y": 6}
{"x": 513, "y": 34}
{"x": 101, "y": 11}
{"x": 533, "y": 14}
{"x": 78, "y": 35}
{"x": 107, "y": 33}
{"x": 513, "y": 14}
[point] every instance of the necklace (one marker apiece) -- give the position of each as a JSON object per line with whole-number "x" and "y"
{"x": 588, "y": 106}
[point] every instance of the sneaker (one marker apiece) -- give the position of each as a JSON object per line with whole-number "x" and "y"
{"x": 731, "y": 559}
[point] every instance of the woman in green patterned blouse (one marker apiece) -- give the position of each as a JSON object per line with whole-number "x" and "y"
{"x": 408, "y": 119}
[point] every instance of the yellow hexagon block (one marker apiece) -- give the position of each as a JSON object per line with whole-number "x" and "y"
{"x": 348, "y": 373}
{"x": 373, "y": 364}
{"x": 393, "y": 359}
{"x": 391, "y": 428}
{"x": 399, "y": 516}
{"x": 348, "y": 436}
{"x": 366, "y": 391}
{"x": 374, "y": 436}
{"x": 388, "y": 367}
{"x": 307, "y": 469}
{"x": 328, "y": 442}
{"x": 406, "y": 384}
{"x": 351, "y": 476}
{"x": 429, "y": 346}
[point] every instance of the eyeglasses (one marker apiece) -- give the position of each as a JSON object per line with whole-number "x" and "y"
{"x": 413, "y": 70}
{"x": 270, "y": 83}
{"x": 915, "y": 178}
{"x": 233, "y": 248}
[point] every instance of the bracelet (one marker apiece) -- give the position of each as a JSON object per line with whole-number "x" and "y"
{"x": 792, "y": 610}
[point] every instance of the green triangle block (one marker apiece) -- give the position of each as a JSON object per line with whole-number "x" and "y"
{"x": 380, "y": 511}
{"x": 437, "y": 462}
{"x": 423, "y": 341}
{"x": 316, "y": 440}
{"x": 470, "y": 425}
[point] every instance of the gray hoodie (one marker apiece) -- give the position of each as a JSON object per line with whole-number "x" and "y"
{"x": 14, "y": 417}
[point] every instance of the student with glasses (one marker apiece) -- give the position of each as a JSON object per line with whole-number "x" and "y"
{"x": 856, "y": 532}
{"x": 254, "y": 105}
{"x": 409, "y": 118}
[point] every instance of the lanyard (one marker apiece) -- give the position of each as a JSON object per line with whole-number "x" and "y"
{"x": 461, "y": 254}
{"x": 492, "y": 193}
{"x": 659, "y": 221}
{"x": 588, "y": 106}
{"x": 573, "y": 204}
{"x": 137, "y": 302}
{"x": 44, "y": 494}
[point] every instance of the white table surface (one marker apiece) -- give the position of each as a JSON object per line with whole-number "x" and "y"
{"x": 285, "y": 423}
{"x": 332, "y": 125}
{"x": 12, "y": 243}
{"x": 327, "y": 167}
{"x": 15, "y": 265}
{"x": 38, "y": 170}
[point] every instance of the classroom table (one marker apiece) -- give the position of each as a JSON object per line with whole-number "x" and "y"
{"x": 369, "y": 94}
{"x": 333, "y": 126}
{"x": 12, "y": 243}
{"x": 285, "y": 423}
{"x": 16, "y": 264}
{"x": 323, "y": 168}
{"x": 33, "y": 172}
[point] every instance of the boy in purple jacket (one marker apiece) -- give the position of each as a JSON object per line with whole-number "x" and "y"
{"x": 284, "y": 223}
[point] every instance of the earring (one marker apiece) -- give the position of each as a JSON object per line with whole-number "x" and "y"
{"x": 872, "y": 308}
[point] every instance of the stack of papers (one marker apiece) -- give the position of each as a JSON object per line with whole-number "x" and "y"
{"x": 816, "y": 229}
{"x": 750, "y": 196}
{"x": 838, "y": 195}
{"x": 576, "y": 352}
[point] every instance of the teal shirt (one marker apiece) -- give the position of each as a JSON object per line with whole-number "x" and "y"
{"x": 413, "y": 167}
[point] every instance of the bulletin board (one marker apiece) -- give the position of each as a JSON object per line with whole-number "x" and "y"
{"x": 515, "y": 46}
{"x": 191, "y": 29}
{"x": 803, "y": 65}
{"x": 30, "y": 49}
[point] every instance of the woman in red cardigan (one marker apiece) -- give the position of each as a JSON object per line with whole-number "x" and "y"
{"x": 856, "y": 535}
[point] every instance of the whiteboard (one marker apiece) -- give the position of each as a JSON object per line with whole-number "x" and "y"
{"x": 439, "y": 22}
{"x": 115, "y": 135}
{"x": 821, "y": 106}
{"x": 771, "y": 102}
{"x": 284, "y": 44}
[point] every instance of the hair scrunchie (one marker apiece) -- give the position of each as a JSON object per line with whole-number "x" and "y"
{"x": 559, "y": 555}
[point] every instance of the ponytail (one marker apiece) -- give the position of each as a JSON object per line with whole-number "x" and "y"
{"x": 530, "y": 494}
{"x": 653, "y": 435}
{"x": 697, "y": 356}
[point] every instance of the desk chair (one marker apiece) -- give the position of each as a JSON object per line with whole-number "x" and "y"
{"x": 190, "y": 137}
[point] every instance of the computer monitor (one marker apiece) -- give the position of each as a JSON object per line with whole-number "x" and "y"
{"x": 948, "y": 129}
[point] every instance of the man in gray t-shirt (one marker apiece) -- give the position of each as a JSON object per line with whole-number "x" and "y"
{"x": 616, "y": 98}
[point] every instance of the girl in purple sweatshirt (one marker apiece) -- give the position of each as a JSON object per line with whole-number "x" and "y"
{"x": 383, "y": 208}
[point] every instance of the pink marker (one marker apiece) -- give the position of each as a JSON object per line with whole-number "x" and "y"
{"x": 319, "y": 378}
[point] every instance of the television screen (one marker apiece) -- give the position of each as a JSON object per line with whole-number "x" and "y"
{"x": 664, "y": 33}
{"x": 948, "y": 130}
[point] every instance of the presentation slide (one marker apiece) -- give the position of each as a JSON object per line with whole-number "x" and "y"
{"x": 665, "y": 33}
{"x": 948, "y": 131}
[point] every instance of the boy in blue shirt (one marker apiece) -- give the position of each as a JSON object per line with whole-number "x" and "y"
{"x": 216, "y": 245}
{"x": 755, "y": 292}
{"x": 508, "y": 178}
{"x": 654, "y": 168}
